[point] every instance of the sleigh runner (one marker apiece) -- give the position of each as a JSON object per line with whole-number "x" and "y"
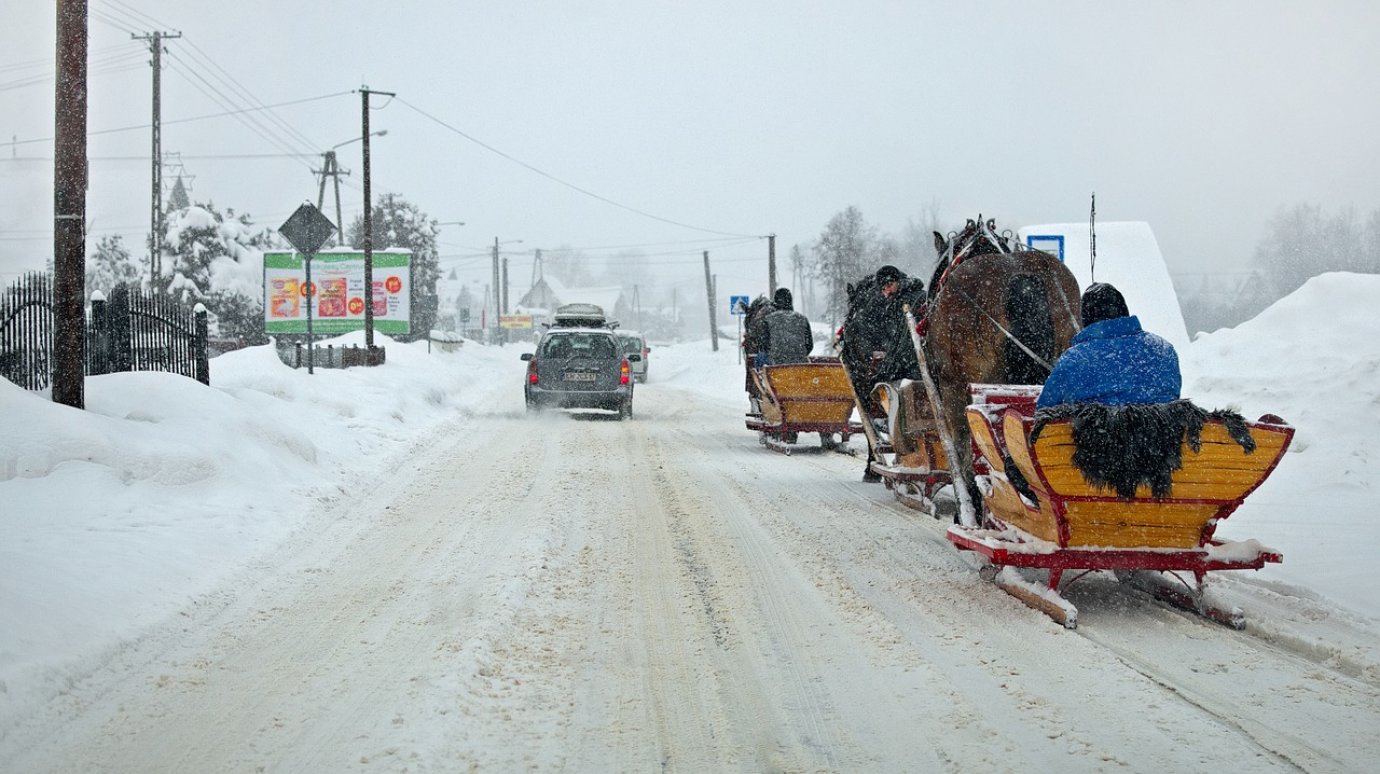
{"x": 813, "y": 397}
{"x": 1041, "y": 513}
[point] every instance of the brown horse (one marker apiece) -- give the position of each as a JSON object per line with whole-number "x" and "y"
{"x": 998, "y": 314}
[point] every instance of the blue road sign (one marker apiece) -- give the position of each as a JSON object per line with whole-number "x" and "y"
{"x": 1050, "y": 243}
{"x": 738, "y": 304}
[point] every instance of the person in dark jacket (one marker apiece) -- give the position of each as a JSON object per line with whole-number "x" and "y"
{"x": 788, "y": 336}
{"x": 754, "y": 345}
{"x": 1112, "y": 360}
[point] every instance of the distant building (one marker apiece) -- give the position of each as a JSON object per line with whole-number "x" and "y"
{"x": 548, "y": 293}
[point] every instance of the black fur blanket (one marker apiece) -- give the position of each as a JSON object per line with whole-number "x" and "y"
{"x": 1122, "y": 447}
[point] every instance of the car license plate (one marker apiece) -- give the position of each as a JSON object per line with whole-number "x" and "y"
{"x": 573, "y": 376}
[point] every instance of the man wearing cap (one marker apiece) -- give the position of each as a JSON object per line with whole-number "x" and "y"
{"x": 786, "y": 334}
{"x": 1112, "y": 360}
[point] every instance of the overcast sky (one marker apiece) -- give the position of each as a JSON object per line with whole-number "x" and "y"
{"x": 721, "y": 118}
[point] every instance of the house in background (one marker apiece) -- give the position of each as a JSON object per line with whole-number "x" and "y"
{"x": 548, "y": 293}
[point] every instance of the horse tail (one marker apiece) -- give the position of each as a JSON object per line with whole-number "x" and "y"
{"x": 1031, "y": 323}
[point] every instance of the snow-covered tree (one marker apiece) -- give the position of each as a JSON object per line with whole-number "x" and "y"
{"x": 111, "y": 265}
{"x": 213, "y": 258}
{"x": 400, "y": 224}
{"x": 205, "y": 252}
{"x": 178, "y": 198}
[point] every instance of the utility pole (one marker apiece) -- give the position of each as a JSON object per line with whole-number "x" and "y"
{"x": 364, "y": 92}
{"x": 330, "y": 167}
{"x": 497, "y": 291}
{"x": 709, "y": 293}
{"x": 69, "y": 207}
{"x": 771, "y": 264}
{"x": 504, "y": 310}
{"x": 155, "y": 41}
{"x": 484, "y": 315}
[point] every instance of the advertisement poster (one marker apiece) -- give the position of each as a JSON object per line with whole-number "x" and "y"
{"x": 338, "y": 280}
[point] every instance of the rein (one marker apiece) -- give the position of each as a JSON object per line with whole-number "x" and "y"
{"x": 1004, "y": 331}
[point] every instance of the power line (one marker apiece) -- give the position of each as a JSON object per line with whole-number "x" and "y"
{"x": 191, "y": 74}
{"x": 128, "y": 60}
{"x": 139, "y": 16}
{"x": 108, "y": 19}
{"x": 246, "y": 94}
{"x": 571, "y": 186}
{"x": 137, "y": 127}
{"x": 47, "y": 61}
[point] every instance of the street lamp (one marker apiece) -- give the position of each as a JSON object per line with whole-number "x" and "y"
{"x": 331, "y": 168}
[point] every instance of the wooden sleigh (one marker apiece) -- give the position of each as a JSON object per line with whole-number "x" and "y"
{"x": 813, "y": 397}
{"x": 1151, "y": 542}
{"x": 912, "y": 462}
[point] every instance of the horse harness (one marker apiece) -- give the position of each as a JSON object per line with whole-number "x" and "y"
{"x": 1002, "y": 246}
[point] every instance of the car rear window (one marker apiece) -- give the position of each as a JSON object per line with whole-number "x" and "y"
{"x": 630, "y": 344}
{"x": 581, "y": 345}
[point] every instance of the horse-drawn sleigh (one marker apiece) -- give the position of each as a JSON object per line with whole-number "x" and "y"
{"x": 813, "y": 397}
{"x": 997, "y": 316}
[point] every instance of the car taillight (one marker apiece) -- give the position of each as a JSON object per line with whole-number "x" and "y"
{"x": 623, "y": 372}
{"x": 532, "y": 371}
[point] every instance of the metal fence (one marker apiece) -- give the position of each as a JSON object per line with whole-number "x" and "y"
{"x": 295, "y": 354}
{"x": 26, "y": 331}
{"x": 131, "y": 331}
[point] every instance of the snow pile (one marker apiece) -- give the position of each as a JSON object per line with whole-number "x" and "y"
{"x": 1311, "y": 358}
{"x": 116, "y": 516}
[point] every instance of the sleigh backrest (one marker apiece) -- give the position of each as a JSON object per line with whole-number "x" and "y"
{"x": 1212, "y": 483}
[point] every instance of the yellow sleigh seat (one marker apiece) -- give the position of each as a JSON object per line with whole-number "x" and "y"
{"x": 1071, "y": 513}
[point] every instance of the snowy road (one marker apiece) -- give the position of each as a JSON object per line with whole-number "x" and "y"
{"x": 573, "y": 594}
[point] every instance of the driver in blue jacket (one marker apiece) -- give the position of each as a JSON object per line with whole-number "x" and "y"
{"x": 1112, "y": 361}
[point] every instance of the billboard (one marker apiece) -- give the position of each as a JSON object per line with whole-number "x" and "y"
{"x": 339, "y": 293}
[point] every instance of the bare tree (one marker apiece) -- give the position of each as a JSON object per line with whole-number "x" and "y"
{"x": 845, "y": 251}
{"x": 916, "y": 243}
{"x": 1303, "y": 242}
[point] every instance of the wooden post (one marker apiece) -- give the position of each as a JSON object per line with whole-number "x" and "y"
{"x": 199, "y": 352}
{"x": 771, "y": 265}
{"x": 709, "y": 293}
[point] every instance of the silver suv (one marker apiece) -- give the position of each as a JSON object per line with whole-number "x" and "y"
{"x": 633, "y": 342}
{"x": 580, "y": 368}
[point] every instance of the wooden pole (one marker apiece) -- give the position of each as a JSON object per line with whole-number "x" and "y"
{"x": 967, "y": 512}
{"x": 771, "y": 264}
{"x": 69, "y": 207}
{"x": 709, "y": 294}
{"x": 368, "y": 230}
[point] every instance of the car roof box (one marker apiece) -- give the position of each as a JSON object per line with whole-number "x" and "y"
{"x": 580, "y": 315}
